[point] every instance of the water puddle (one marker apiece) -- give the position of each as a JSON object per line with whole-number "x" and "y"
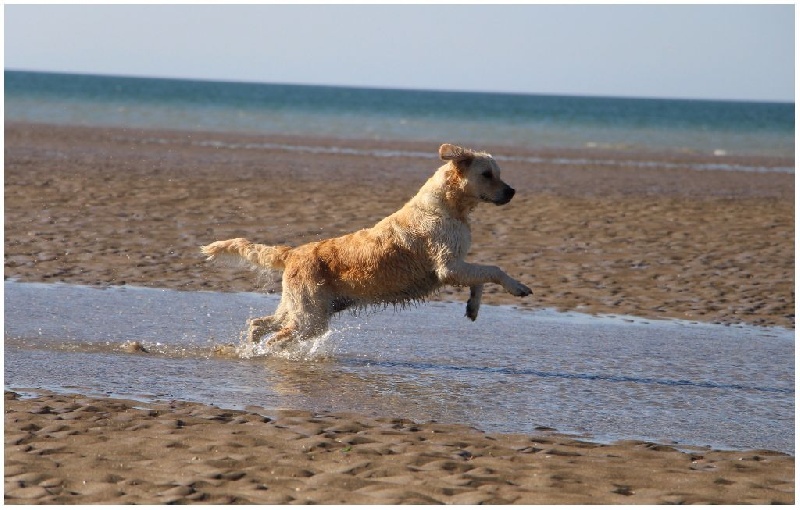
{"x": 605, "y": 378}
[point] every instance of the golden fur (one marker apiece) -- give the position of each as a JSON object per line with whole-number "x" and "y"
{"x": 403, "y": 258}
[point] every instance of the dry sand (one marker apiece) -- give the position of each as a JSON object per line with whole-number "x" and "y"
{"x": 114, "y": 206}
{"x": 76, "y": 449}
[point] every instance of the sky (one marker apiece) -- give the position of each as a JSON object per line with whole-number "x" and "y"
{"x": 736, "y": 52}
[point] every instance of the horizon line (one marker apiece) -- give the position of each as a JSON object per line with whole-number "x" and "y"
{"x": 396, "y": 88}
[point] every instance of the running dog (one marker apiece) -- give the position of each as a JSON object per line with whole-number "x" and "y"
{"x": 403, "y": 258}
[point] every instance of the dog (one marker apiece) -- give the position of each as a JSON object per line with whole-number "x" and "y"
{"x": 402, "y": 259}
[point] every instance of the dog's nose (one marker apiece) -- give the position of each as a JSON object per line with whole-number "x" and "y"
{"x": 508, "y": 194}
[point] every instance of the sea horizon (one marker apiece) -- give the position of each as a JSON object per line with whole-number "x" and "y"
{"x": 699, "y": 126}
{"x": 397, "y": 89}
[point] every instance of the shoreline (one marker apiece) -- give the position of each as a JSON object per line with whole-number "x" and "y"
{"x": 101, "y": 206}
{"x": 69, "y": 448}
{"x": 391, "y": 148}
{"x": 582, "y": 314}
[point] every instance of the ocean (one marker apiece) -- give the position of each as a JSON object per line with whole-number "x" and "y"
{"x": 479, "y": 119}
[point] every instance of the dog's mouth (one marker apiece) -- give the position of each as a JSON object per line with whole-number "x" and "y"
{"x": 496, "y": 201}
{"x": 508, "y": 194}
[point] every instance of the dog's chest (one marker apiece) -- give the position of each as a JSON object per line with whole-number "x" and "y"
{"x": 452, "y": 238}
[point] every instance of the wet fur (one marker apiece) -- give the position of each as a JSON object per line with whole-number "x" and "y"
{"x": 402, "y": 259}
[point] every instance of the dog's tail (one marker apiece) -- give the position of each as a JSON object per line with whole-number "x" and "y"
{"x": 259, "y": 255}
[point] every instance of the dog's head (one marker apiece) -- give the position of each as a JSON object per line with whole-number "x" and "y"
{"x": 476, "y": 175}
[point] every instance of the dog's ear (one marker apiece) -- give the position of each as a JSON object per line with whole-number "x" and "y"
{"x": 449, "y": 152}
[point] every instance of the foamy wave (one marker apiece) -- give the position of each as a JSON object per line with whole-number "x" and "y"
{"x": 534, "y": 160}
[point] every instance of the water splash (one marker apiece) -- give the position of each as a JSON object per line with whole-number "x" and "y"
{"x": 318, "y": 348}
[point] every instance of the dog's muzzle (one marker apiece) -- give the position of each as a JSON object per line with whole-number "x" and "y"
{"x": 508, "y": 194}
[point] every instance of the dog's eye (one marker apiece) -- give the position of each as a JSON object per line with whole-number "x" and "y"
{"x": 487, "y": 174}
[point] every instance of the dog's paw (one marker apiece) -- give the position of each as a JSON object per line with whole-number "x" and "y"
{"x": 519, "y": 289}
{"x": 472, "y": 310}
{"x": 474, "y": 301}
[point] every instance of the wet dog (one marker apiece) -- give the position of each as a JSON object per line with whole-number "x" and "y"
{"x": 403, "y": 258}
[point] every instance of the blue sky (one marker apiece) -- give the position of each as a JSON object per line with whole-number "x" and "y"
{"x": 675, "y": 51}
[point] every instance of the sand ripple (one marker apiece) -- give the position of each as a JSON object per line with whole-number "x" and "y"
{"x": 76, "y": 449}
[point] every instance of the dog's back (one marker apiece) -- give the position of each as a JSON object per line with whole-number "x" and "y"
{"x": 370, "y": 266}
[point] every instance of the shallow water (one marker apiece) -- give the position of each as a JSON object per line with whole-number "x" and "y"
{"x": 605, "y": 378}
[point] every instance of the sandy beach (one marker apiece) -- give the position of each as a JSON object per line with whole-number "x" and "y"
{"x": 76, "y": 449}
{"x": 656, "y": 240}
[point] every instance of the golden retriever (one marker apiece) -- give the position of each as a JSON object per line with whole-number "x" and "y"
{"x": 403, "y": 258}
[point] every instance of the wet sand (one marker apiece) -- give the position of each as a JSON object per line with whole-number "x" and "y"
{"x": 76, "y": 449}
{"x": 106, "y": 207}
{"x": 113, "y": 206}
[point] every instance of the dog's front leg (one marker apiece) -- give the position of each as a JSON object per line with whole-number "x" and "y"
{"x": 474, "y": 302}
{"x": 464, "y": 274}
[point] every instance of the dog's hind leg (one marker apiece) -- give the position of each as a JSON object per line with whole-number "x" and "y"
{"x": 290, "y": 325}
{"x": 474, "y": 302}
{"x": 284, "y": 335}
{"x": 294, "y": 331}
{"x": 260, "y": 326}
